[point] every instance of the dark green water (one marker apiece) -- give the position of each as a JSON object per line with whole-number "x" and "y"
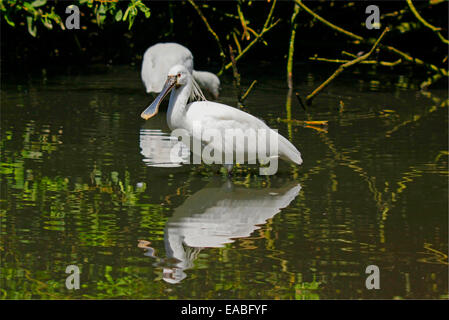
{"x": 77, "y": 189}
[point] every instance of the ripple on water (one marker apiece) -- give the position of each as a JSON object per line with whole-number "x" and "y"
{"x": 162, "y": 150}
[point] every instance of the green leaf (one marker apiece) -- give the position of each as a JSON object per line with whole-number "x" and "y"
{"x": 131, "y": 21}
{"x": 144, "y": 9}
{"x": 102, "y": 9}
{"x": 31, "y": 27}
{"x": 11, "y": 23}
{"x": 29, "y": 6}
{"x": 38, "y": 3}
{"x": 126, "y": 14}
{"x": 101, "y": 14}
{"x": 132, "y": 15}
{"x": 47, "y": 23}
{"x": 118, "y": 15}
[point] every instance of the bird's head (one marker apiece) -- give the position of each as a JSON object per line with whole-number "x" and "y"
{"x": 178, "y": 76}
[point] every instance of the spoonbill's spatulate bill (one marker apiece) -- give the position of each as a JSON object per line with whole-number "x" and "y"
{"x": 211, "y": 116}
{"x": 159, "y": 58}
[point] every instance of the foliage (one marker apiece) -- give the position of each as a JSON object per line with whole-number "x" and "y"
{"x": 43, "y": 12}
{"x": 232, "y": 31}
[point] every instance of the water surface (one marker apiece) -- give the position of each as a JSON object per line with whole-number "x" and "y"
{"x": 86, "y": 182}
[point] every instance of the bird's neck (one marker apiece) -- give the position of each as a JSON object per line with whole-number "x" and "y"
{"x": 177, "y": 106}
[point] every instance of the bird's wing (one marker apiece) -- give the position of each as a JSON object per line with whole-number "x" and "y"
{"x": 216, "y": 121}
{"x": 217, "y": 116}
{"x": 147, "y": 70}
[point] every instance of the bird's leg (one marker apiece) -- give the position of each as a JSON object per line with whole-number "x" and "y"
{"x": 229, "y": 169}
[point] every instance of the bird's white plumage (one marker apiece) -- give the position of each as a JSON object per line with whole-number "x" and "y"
{"x": 220, "y": 117}
{"x": 159, "y": 58}
{"x": 221, "y": 129}
{"x": 216, "y": 116}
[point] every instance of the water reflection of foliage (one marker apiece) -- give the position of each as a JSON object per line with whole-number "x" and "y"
{"x": 104, "y": 204}
{"x": 406, "y": 177}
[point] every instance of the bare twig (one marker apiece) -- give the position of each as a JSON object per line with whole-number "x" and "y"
{"x": 333, "y": 26}
{"x": 237, "y": 43}
{"x": 270, "y": 14}
{"x": 382, "y": 63}
{"x": 245, "y": 95}
{"x": 425, "y": 23}
{"x": 415, "y": 60}
{"x": 292, "y": 47}
{"x": 200, "y": 13}
{"x": 250, "y": 45}
{"x": 240, "y": 97}
{"x": 243, "y": 22}
{"x": 344, "y": 66}
{"x": 405, "y": 56}
{"x": 348, "y": 54}
{"x": 235, "y": 73}
{"x": 265, "y": 29}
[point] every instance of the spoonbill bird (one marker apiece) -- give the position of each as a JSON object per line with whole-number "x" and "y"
{"x": 159, "y": 58}
{"x": 212, "y": 116}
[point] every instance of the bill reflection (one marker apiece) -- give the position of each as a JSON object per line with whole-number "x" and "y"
{"x": 215, "y": 216}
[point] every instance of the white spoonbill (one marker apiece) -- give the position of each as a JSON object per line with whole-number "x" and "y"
{"x": 159, "y": 58}
{"x": 212, "y": 116}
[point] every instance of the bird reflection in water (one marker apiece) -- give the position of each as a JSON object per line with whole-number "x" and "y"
{"x": 161, "y": 149}
{"x": 215, "y": 216}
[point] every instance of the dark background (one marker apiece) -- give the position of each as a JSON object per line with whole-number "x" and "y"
{"x": 113, "y": 43}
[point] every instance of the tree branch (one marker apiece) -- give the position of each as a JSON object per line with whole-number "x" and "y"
{"x": 200, "y": 13}
{"x": 425, "y": 23}
{"x": 343, "y": 67}
{"x": 386, "y": 47}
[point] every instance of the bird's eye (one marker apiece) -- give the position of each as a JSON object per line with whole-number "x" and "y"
{"x": 179, "y": 75}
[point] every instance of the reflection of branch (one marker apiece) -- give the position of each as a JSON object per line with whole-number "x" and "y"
{"x": 432, "y": 79}
{"x": 344, "y": 66}
{"x": 438, "y": 256}
{"x": 344, "y": 159}
{"x": 425, "y": 23}
{"x": 304, "y": 122}
{"x": 415, "y": 118}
